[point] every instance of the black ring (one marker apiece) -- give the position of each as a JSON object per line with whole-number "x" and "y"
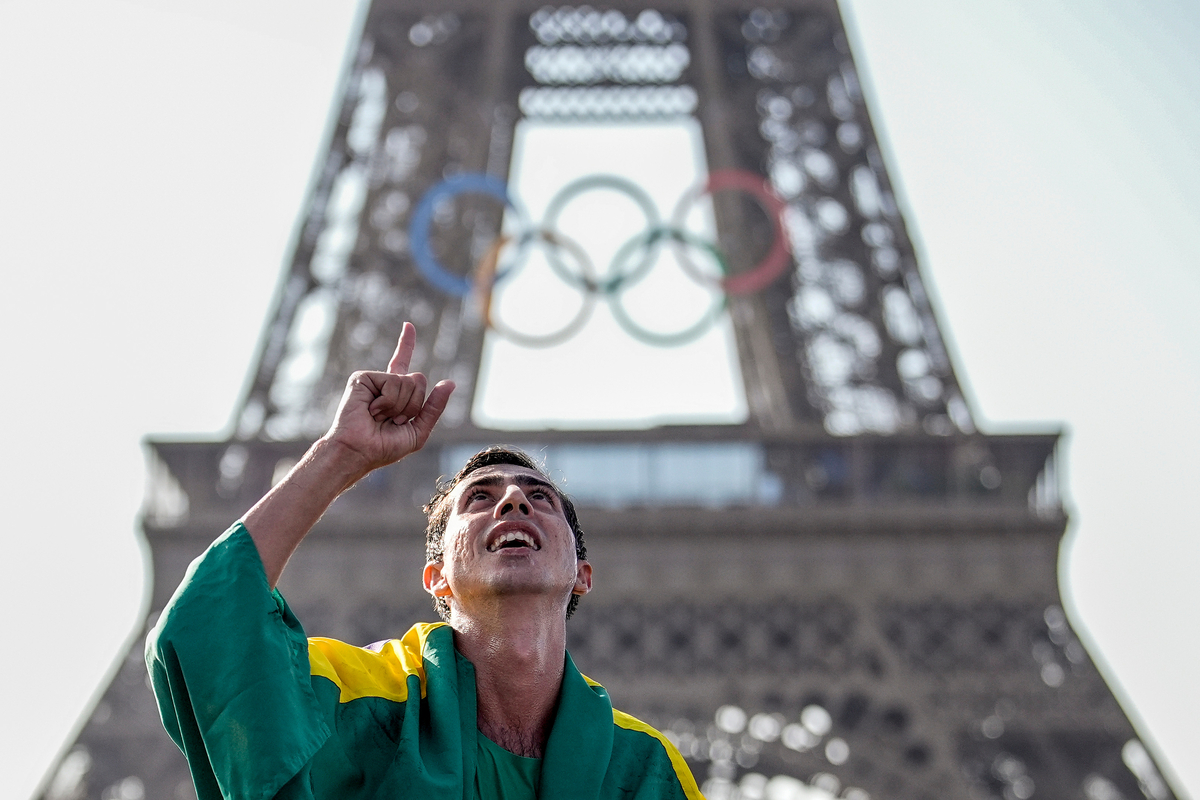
{"x": 587, "y": 184}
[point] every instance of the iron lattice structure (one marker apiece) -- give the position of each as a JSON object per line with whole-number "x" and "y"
{"x": 852, "y": 594}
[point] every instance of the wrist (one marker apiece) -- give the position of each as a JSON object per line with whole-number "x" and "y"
{"x": 336, "y": 463}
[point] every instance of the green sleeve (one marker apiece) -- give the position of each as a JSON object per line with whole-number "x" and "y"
{"x": 229, "y": 667}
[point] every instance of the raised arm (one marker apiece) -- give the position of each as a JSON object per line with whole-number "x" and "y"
{"x": 383, "y": 417}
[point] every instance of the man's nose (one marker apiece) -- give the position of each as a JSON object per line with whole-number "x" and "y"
{"x": 513, "y": 499}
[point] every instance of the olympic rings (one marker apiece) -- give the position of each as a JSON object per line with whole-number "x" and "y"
{"x": 422, "y": 219}
{"x": 762, "y": 274}
{"x": 625, "y": 269}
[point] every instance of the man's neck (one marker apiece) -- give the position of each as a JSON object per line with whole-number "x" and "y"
{"x": 518, "y": 651}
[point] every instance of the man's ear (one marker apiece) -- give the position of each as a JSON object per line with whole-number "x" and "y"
{"x": 583, "y": 578}
{"x": 434, "y": 581}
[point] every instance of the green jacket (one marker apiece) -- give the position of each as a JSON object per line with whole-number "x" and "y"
{"x": 260, "y": 711}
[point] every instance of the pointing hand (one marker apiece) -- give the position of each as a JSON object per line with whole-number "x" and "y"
{"x": 385, "y": 416}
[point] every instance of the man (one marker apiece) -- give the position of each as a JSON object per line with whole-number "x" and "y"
{"x": 487, "y": 706}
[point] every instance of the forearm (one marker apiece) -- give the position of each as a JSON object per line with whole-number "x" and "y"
{"x": 283, "y": 517}
{"x": 383, "y": 417}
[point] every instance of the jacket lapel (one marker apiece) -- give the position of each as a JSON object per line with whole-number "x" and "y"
{"x": 581, "y": 739}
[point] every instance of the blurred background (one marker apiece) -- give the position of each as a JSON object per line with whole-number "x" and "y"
{"x": 156, "y": 156}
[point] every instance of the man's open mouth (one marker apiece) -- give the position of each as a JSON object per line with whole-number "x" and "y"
{"x": 512, "y": 539}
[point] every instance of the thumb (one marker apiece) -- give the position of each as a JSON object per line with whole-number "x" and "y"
{"x": 431, "y": 412}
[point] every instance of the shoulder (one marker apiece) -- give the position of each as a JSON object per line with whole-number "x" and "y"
{"x": 642, "y": 753}
{"x": 382, "y": 670}
{"x": 641, "y": 734}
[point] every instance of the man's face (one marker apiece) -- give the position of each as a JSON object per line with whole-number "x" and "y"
{"x": 506, "y": 535}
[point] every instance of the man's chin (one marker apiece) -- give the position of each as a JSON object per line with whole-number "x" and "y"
{"x": 531, "y": 585}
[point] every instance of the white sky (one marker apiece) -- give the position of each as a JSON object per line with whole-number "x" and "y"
{"x": 154, "y": 157}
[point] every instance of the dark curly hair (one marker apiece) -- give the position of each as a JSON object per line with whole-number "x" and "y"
{"x": 437, "y": 510}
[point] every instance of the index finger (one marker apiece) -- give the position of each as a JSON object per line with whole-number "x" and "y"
{"x": 404, "y": 350}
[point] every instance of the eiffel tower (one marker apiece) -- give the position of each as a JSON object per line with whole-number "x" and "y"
{"x": 851, "y": 592}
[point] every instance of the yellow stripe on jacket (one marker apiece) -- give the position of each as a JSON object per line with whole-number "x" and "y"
{"x": 359, "y": 672}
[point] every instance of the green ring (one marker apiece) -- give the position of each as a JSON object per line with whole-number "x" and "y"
{"x": 613, "y": 288}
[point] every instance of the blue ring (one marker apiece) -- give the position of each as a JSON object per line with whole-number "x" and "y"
{"x": 422, "y": 218}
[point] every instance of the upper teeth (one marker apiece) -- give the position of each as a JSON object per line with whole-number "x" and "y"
{"x": 511, "y": 536}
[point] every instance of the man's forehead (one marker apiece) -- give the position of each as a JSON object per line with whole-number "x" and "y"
{"x": 504, "y": 473}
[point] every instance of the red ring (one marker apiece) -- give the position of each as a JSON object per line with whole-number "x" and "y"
{"x": 773, "y": 264}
